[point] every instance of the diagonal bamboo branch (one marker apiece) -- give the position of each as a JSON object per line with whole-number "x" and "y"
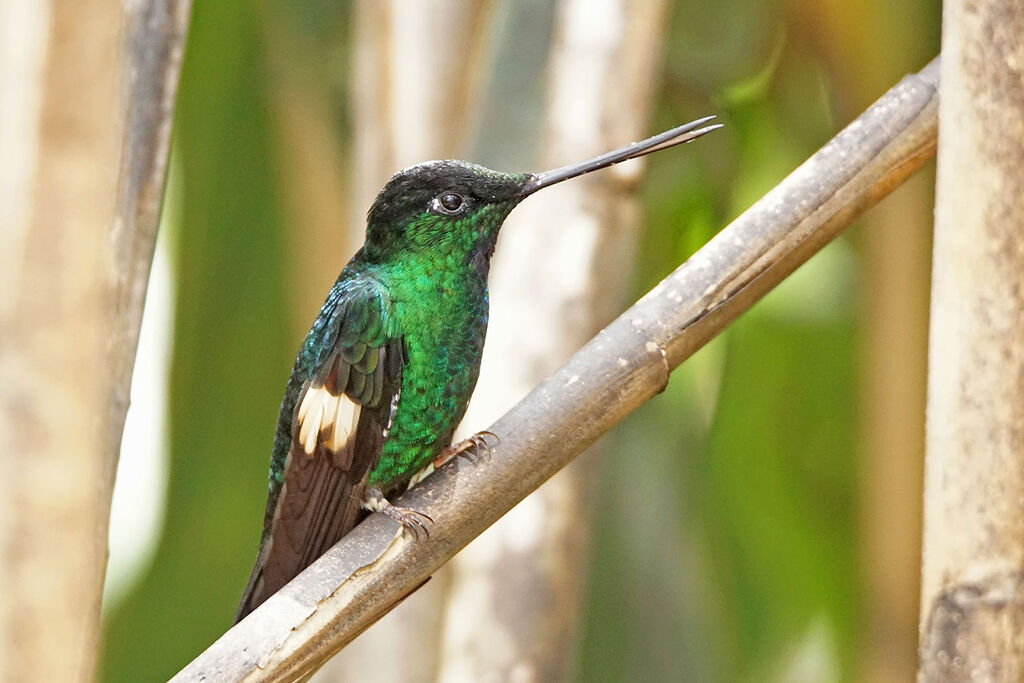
{"x": 374, "y": 567}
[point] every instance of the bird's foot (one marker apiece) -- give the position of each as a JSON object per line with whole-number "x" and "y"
{"x": 472, "y": 448}
{"x": 411, "y": 520}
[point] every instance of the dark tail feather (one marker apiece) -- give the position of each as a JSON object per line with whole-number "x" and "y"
{"x": 254, "y": 594}
{"x": 321, "y": 498}
{"x": 304, "y": 528}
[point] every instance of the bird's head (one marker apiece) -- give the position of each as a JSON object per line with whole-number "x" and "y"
{"x": 458, "y": 207}
{"x": 441, "y": 205}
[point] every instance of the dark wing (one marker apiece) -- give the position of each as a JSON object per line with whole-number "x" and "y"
{"x": 340, "y": 422}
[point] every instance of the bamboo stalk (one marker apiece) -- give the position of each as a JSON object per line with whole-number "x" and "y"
{"x": 409, "y": 105}
{"x": 972, "y": 606}
{"x": 373, "y": 568}
{"x": 561, "y": 273}
{"x": 64, "y": 163}
{"x": 75, "y": 261}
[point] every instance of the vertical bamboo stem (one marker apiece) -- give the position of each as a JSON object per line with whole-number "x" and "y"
{"x": 972, "y": 621}
{"x": 52, "y": 345}
{"x": 559, "y": 274}
{"x": 75, "y": 258}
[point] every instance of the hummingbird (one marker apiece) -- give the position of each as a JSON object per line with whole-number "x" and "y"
{"x": 385, "y": 373}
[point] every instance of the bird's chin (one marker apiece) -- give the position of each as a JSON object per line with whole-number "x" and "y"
{"x": 480, "y": 258}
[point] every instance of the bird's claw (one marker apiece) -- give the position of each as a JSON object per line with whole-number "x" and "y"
{"x": 413, "y": 521}
{"x": 473, "y": 448}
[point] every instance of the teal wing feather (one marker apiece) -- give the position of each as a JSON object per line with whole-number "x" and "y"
{"x": 334, "y": 420}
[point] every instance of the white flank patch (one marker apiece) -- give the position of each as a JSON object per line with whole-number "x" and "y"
{"x": 311, "y": 413}
{"x": 343, "y": 426}
{"x": 374, "y": 502}
{"x": 328, "y": 418}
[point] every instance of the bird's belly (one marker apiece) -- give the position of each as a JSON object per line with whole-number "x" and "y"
{"x": 436, "y": 387}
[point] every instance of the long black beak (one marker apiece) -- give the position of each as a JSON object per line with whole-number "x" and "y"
{"x": 670, "y": 138}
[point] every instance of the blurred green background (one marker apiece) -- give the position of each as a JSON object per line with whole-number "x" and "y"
{"x": 780, "y": 471}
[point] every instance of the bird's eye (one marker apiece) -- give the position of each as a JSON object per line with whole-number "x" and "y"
{"x": 449, "y": 202}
